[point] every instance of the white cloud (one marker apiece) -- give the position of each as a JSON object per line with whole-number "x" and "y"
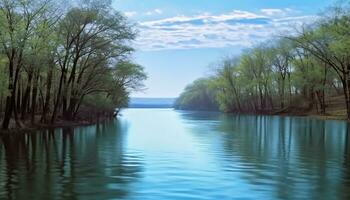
{"x": 154, "y": 12}
{"x": 277, "y": 12}
{"x": 272, "y": 11}
{"x": 130, "y": 13}
{"x": 234, "y": 29}
{"x": 206, "y": 17}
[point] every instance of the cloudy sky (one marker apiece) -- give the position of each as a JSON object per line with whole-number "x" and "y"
{"x": 179, "y": 39}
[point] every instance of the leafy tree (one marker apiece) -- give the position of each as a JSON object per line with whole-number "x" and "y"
{"x": 298, "y": 72}
{"x": 56, "y": 59}
{"x": 197, "y": 96}
{"x": 329, "y": 42}
{"x": 228, "y": 84}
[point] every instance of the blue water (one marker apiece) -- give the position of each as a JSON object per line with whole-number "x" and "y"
{"x": 166, "y": 154}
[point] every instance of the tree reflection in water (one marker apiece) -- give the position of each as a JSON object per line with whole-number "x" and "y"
{"x": 288, "y": 157}
{"x": 255, "y": 157}
{"x": 81, "y": 163}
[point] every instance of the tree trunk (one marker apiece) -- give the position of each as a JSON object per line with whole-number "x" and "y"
{"x": 78, "y": 106}
{"x": 237, "y": 99}
{"x": 321, "y": 100}
{"x": 25, "y": 100}
{"x": 18, "y": 103}
{"x": 9, "y": 99}
{"x": 17, "y": 73}
{"x": 262, "y": 103}
{"x": 347, "y": 99}
{"x": 34, "y": 94}
{"x": 57, "y": 102}
{"x": 346, "y": 88}
{"x": 282, "y": 93}
{"x": 346, "y": 95}
{"x": 1, "y": 104}
{"x": 46, "y": 107}
{"x": 8, "y": 112}
{"x": 290, "y": 89}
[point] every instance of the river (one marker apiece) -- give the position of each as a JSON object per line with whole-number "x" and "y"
{"x": 166, "y": 154}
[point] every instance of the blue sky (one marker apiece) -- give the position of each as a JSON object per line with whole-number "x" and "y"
{"x": 180, "y": 39}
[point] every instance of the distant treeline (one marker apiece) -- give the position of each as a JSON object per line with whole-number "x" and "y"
{"x": 60, "y": 61}
{"x": 293, "y": 72}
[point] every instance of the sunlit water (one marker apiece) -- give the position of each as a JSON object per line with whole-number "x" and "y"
{"x": 165, "y": 154}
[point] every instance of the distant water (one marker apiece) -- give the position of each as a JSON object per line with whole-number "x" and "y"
{"x": 152, "y": 102}
{"x": 165, "y": 154}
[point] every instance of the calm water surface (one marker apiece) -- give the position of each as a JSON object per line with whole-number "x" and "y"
{"x": 165, "y": 154}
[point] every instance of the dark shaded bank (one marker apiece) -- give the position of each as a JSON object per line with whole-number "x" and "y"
{"x": 83, "y": 119}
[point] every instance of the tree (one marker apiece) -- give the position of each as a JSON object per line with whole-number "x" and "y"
{"x": 55, "y": 56}
{"x": 16, "y": 27}
{"x": 282, "y": 54}
{"x": 228, "y": 85}
{"x": 256, "y": 66}
{"x": 91, "y": 37}
{"x": 329, "y": 41}
{"x": 197, "y": 96}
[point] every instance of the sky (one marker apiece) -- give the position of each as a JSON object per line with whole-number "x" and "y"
{"x": 180, "y": 41}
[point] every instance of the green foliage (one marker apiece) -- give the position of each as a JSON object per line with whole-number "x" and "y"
{"x": 311, "y": 66}
{"x": 99, "y": 101}
{"x": 197, "y": 96}
{"x": 228, "y": 84}
{"x": 125, "y": 78}
{"x": 69, "y": 57}
{"x": 129, "y": 75}
{"x": 263, "y": 79}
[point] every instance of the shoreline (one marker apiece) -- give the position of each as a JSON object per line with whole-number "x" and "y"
{"x": 314, "y": 116}
{"x": 59, "y": 124}
{"x": 84, "y": 122}
{"x": 326, "y": 116}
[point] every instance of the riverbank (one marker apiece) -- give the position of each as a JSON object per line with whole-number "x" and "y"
{"x": 59, "y": 123}
{"x": 328, "y": 116}
{"x": 340, "y": 116}
{"x": 335, "y": 110}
